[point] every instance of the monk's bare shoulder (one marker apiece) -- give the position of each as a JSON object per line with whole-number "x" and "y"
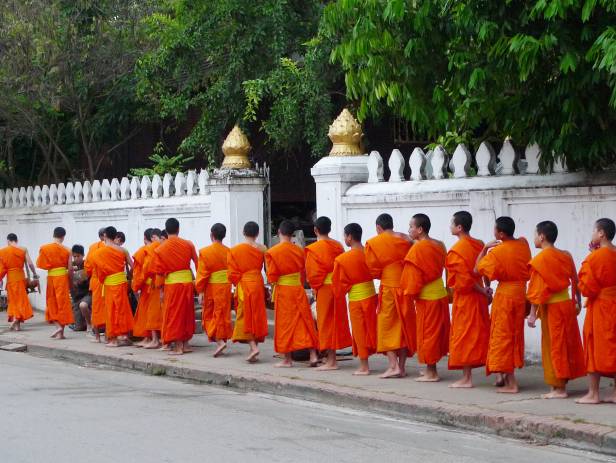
{"x": 261, "y": 247}
{"x": 440, "y": 243}
{"x": 403, "y": 236}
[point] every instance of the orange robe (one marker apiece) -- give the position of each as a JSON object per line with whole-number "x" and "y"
{"x": 396, "y": 323}
{"x": 98, "y": 305}
{"x": 138, "y": 286}
{"x": 12, "y": 260}
{"x": 350, "y": 270}
{"x": 108, "y": 262}
{"x": 294, "y": 326}
{"x": 332, "y": 319}
{"x": 174, "y": 255}
{"x": 507, "y": 263}
{"x": 598, "y": 283}
{"x": 470, "y": 318}
{"x": 57, "y": 294}
{"x": 216, "y": 311}
{"x": 551, "y": 273}
{"x": 244, "y": 266}
{"x": 423, "y": 266}
{"x": 153, "y": 284}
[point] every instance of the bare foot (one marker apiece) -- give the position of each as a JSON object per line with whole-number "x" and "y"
{"x": 59, "y": 336}
{"x": 428, "y": 379}
{"x": 96, "y": 340}
{"x": 152, "y": 345}
{"x": 508, "y": 390}
{"x": 253, "y": 357}
{"x": 610, "y": 399}
{"x": 390, "y": 373}
{"x": 177, "y": 351}
{"x": 187, "y": 350}
{"x": 589, "y": 399}
{"x": 462, "y": 383}
{"x": 165, "y": 347}
{"x": 361, "y": 372}
{"x": 327, "y": 367}
{"x": 113, "y": 343}
{"x": 555, "y": 395}
{"x": 220, "y": 350}
{"x": 56, "y": 333}
{"x": 283, "y": 364}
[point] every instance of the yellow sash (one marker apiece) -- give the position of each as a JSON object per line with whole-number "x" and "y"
{"x": 361, "y": 291}
{"x": 115, "y": 279}
{"x": 148, "y": 282}
{"x": 57, "y": 272}
{"x": 433, "y": 291}
{"x": 219, "y": 277}
{"x": 559, "y": 297}
{"x": 181, "y": 276}
{"x": 292, "y": 279}
{"x": 328, "y": 278}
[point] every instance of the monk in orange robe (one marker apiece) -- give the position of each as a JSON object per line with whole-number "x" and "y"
{"x": 396, "y": 330}
{"x": 245, "y": 263}
{"x": 598, "y": 284}
{"x": 295, "y": 330}
{"x": 152, "y": 291}
{"x": 98, "y": 316}
{"x": 56, "y": 259}
{"x": 552, "y": 271}
{"x": 352, "y": 277}
{"x": 214, "y": 289}
{"x": 12, "y": 261}
{"x": 470, "y": 318}
{"x": 506, "y": 259}
{"x": 422, "y": 279}
{"x": 172, "y": 259}
{"x": 110, "y": 263}
{"x": 332, "y": 320}
{"x": 139, "y": 286}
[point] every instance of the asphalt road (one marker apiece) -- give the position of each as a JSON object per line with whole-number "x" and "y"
{"x": 55, "y": 412}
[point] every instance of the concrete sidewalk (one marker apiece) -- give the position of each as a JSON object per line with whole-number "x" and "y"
{"x": 524, "y": 415}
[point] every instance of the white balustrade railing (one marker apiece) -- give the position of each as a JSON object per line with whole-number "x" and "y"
{"x": 438, "y": 164}
{"x": 191, "y": 183}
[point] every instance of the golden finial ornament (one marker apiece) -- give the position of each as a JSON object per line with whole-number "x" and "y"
{"x": 345, "y": 133}
{"x": 236, "y": 148}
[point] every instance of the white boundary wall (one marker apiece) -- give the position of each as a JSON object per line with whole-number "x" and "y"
{"x": 196, "y": 200}
{"x": 352, "y": 189}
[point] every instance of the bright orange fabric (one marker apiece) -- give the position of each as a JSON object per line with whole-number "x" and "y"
{"x": 173, "y": 255}
{"x": 598, "y": 283}
{"x": 396, "y": 323}
{"x": 12, "y": 260}
{"x": 138, "y": 286}
{"x": 470, "y": 318}
{"x": 294, "y": 325}
{"x": 118, "y": 315}
{"x": 349, "y": 269}
{"x": 216, "y": 311}
{"x": 508, "y": 264}
{"x": 332, "y": 320}
{"x": 96, "y": 287}
{"x": 154, "y": 284}
{"x": 245, "y": 263}
{"x": 423, "y": 264}
{"x": 57, "y": 294}
{"x": 552, "y": 271}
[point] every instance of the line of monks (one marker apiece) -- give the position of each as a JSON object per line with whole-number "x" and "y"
{"x": 408, "y": 315}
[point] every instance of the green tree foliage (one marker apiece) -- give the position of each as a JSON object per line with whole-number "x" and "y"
{"x": 232, "y": 61}
{"x": 163, "y": 163}
{"x": 539, "y": 71}
{"x": 67, "y": 84}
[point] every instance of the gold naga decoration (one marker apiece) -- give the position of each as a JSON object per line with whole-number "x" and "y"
{"x": 236, "y": 148}
{"x": 345, "y": 133}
